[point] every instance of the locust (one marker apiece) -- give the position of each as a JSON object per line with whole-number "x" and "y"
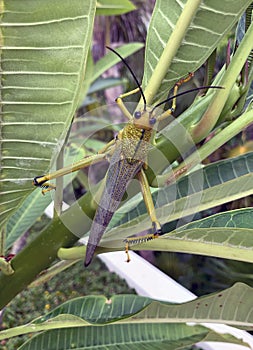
{"x": 127, "y": 155}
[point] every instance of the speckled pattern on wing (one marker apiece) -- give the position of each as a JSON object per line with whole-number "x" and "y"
{"x": 119, "y": 174}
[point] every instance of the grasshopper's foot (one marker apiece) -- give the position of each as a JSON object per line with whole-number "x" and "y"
{"x": 156, "y": 228}
{"x": 127, "y": 250}
{"x": 141, "y": 239}
{"x": 47, "y": 187}
{"x": 40, "y": 181}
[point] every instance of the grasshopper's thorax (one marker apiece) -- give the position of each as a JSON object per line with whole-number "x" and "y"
{"x": 136, "y": 137}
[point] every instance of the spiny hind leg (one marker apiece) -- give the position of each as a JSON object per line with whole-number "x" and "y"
{"x": 147, "y": 197}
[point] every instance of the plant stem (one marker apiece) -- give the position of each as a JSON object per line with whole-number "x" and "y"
{"x": 2, "y": 240}
{"x": 209, "y": 147}
{"x": 63, "y": 231}
{"x": 58, "y": 198}
{"x": 212, "y": 113}
{"x": 170, "y": 49}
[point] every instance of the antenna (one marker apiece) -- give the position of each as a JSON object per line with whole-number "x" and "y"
{"x": 133, "y": 75}
{"x": 184, "y": 93}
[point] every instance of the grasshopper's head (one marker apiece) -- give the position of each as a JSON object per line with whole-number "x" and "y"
{"x": 144, "y": 119}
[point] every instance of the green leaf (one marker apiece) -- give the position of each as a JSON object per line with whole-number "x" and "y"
{"x": 239, "y": 218}
{"x": 113, "y": 7}
{"x": 43, "y": 57}
{"x": 230, "y": 306}
{"x": 188, "y": 47}
{"x": 221, "y": 242}
{"x": 205, "y": 188}
{"x": 227, "y": 235}
{"x": 98, "y": 309}
{"x": 35, "y": 204}
{"x": 126, "y": 337}
{"x": 17, "y": 224}
{"x": 106, "y": 83}
{"x": 141, "y": 319}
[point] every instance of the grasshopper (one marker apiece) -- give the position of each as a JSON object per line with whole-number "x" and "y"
{"x": 128, "y": 159}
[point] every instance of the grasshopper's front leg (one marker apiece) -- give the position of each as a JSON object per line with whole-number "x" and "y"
{"x": 121, "y": 105}
{"x": 171, "y": 110}
{"x": 41, "y": 181}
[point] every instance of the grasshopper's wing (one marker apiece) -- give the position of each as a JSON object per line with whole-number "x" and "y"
{"x": 119, "y": 174}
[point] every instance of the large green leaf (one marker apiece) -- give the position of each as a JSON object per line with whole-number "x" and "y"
{"x": 224, "y": 242}
{"x": 130, "y": 337}
{"x": 142, "y": 320}
{"x": 203, "y": 25}
{"x": 127, "y": 337}
{"x": 202, "y": 189}
{"x": 43, "y": 56}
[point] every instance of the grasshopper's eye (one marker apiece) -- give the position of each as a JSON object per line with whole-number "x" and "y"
{"x": 137, "y": 115}
{"x": 152, "y": 121}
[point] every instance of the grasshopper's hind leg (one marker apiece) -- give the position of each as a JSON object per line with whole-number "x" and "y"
{"x": 147, "y": 197}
